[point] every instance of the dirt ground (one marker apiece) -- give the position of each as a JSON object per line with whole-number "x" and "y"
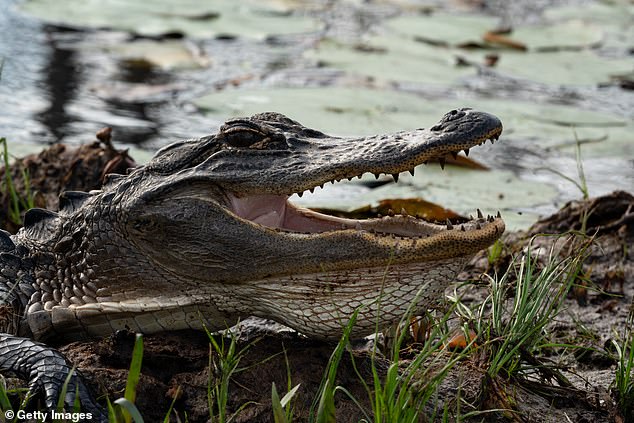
{"x": 177, "y": 365}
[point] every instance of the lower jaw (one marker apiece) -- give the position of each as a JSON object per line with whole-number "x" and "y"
{"x": 318, "y": 305}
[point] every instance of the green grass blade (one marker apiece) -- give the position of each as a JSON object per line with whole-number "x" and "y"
{"x": 169, "y": 411}
{"x": 14, "y": 201}
{"x": 114, "y": 414}
{"x": 326, "y": 405}
{"x": 133, "y": 375}
{"x": 279, "y": 416}
{"x": 62, "y": 394}
{"x": 130, "y": 409}
{"x": 5, "y": 404}
{"x": 326, "y": 408}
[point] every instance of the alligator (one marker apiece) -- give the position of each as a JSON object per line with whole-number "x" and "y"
{"x": 204, "y": 234}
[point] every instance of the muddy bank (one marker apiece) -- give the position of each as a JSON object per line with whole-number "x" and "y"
{"x": 38, "y": 179}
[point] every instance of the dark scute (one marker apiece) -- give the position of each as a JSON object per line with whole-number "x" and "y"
{"x": 34, "y": 217}
{"x": 72, "y": 200}
{"x": 11, "y": 260}
{"x": 41, "y": 224}
{"x": 64, "y": 245}
{"x": 6, "y": 243}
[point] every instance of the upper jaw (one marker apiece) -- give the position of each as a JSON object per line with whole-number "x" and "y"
{"x": 308, "y": 162}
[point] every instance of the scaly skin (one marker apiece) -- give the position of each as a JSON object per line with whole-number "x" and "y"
{"x": 204, "y": 235}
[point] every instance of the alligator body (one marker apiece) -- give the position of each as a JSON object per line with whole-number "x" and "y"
{"x": 204, "y": 234}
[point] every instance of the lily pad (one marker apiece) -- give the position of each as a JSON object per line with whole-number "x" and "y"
{"x": 443, "y": 29}
{"x": 561, "y": 35}
{"x": 157, "y": 17}
{"x": 167, "y": 54}
{"x": 563, "y": 67}
{"x": 391, "y": 58}
{"x": 617, "y": 13}
{"x": 410, "y": 206}
{"x": 614, "y": 18}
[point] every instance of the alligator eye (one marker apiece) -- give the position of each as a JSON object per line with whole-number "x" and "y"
{"x": 241, "y": 135}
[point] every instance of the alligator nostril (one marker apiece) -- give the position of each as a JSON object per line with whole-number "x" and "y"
{"x": 453, "y": 112}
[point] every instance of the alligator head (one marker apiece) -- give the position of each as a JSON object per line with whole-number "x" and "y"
{"x": 205, "y": 234}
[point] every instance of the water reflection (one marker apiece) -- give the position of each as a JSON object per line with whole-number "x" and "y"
{"x": 61, "y": 78}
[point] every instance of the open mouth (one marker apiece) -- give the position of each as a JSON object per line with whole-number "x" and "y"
{"x": 278, "y": 213}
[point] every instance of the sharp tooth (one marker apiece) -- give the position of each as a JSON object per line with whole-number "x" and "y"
{"x": 449, "y": 225}
{"x": 321, "y": 186}
{"x": 466, "y": 152}
{"x": 390, "y": 212}
{"x": 462, "y": 228}
{"x": 395, "y": 176}
{"x": 442, "y": 162}
{"x": 499, "y": 215}
{"x": 425, "y": 162}
{"x": 454, "y": 155}
{"x": 470, "y": 217}
{"x": 350, "y": 178}
{"x": 479, "y": 213}
{"x": 299, "y": 194}
{"x": 376, "y": 175}
{"x": 411, "y": 171}
{"x": 338, "y": 179}
{"x": 403, "y": 211}
{"x": 312, "y": 190}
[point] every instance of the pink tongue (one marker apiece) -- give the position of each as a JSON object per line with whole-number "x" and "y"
{"x": 273, "y": 211}
{"x": 267, "y": 210}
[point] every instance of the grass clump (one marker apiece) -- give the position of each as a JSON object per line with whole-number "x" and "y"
{"x": 17, "y": 202}
{"x": 402, "y": 393}
{"x": 623, "y": 385}
{"x": 512, "y": 323}
{"x": 223, "y": 364}
{"x": 517, "y": 327}
{"x": 401, "y": 396}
